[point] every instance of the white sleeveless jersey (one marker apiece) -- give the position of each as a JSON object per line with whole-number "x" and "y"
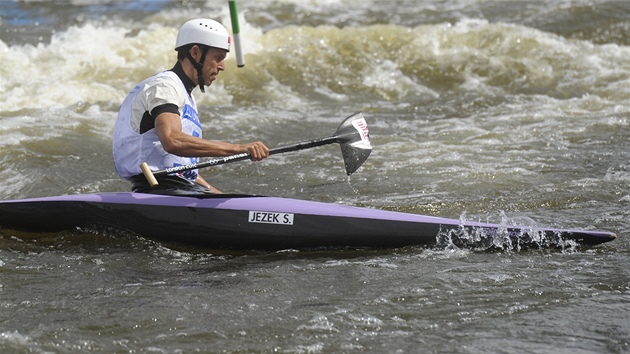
{"x": 132, "y": 148}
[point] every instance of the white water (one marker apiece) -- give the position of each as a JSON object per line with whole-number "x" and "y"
{"x": 479, "y": 110}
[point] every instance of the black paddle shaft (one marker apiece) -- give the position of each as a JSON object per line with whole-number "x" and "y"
{"x": 303, "y": 145}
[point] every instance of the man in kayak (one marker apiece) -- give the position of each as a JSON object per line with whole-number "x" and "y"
{"x": 158, "y": 122}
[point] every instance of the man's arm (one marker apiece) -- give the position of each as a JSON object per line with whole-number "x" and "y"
{"x": 168, "y": 127}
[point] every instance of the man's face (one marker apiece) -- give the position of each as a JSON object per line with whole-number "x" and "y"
{"x": 214, "y": 63}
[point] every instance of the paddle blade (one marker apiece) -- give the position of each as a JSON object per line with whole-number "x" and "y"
{"x": 354, "y": 138}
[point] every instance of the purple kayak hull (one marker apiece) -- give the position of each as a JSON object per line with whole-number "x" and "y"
{"x": 248, "y": 222}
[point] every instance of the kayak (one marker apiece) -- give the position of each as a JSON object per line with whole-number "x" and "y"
{"x": 251, "y": 222}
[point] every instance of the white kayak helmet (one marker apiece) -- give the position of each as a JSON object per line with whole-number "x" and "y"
{"x": 207, "y": 33}
{"x": 203, "y": 31}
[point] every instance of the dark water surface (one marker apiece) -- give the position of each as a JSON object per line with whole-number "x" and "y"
{"x": 482, "y": 110}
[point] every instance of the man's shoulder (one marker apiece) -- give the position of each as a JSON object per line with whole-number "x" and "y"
{"x": 164, "y": 79}
{"x": 165, "y": 85}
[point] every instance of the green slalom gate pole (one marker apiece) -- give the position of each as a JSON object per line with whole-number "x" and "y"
{"x": 236, "y": 31}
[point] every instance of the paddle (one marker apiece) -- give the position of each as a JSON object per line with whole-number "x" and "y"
{"x": 352, "y": 135}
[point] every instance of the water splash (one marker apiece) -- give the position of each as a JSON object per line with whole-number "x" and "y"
{"x": 506, "y": 237}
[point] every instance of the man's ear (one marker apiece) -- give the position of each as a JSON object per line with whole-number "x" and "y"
{"x": 195, "y": 51}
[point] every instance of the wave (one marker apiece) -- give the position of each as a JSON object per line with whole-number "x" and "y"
{"x": 298, "y": 65}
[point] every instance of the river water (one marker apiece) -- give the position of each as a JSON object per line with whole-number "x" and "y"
{"x": 483, "y": 110}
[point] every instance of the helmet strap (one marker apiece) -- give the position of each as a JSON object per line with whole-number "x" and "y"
{"x": 199, "y": 67}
